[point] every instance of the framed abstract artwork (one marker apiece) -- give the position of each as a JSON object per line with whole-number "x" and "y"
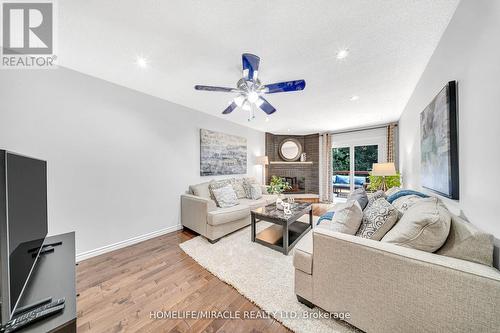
{"x": 439, "y": 143}
{"x": 222, "y": 154}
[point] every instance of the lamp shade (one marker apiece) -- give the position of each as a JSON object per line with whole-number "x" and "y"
{"x": 262, "y": 160}
{"x": 383, "y": 169}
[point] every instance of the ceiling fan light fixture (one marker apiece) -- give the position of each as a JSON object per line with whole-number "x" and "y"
{"x": 239, "y": 100}
{"x": 246, "y": 106}
{"x": 253, "y": 97}
{"x": 249, "y": 89}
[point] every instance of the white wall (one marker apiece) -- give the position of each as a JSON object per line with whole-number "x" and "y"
{"x": 118, "y": 159}
{"x": 468, "y": 52}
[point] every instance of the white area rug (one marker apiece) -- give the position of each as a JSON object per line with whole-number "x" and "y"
{"x": 264, "y": 276}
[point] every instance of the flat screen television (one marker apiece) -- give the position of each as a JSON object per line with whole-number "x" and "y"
{"x": 23, "y": 224}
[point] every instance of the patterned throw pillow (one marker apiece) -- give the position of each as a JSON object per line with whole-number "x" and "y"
{"x": 225, "y": 197}
{"x": 238, "y": 187}
{"x": 247, "y": 185}
{"x": 216, "y": 185}
{"x": 374, "y": 196}
{"x": 255, "y": 191}
{"x": 402, "y": 204}
{"x": 378, "y": 219}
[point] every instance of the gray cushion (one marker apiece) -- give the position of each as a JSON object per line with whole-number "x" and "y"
{"x": 347, "y": 219}
{"x": 255, "y": 191}
{"x": 360, "y": 196}
{"x": 303, "y": 256}
{"x": 404, "y": 203}
{"x": 238, "y": 187}
{"x": 378, "y": 219}
{"x": 253, "y": 204}
{"x": 467, "y": 242}
{"x": 424, "y": 226}
{"x": 215, "y": 184}
{"x": 227, "y": 215}
{"x": 392, "y": 191}
{"x": 247, "y": 184}
{"x": 225, "y": 196}
{"x": 201, "y": 190}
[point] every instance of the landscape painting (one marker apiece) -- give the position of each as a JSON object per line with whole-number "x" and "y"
{"x": 439, "y": 144}
{"x": 222, "y": 154}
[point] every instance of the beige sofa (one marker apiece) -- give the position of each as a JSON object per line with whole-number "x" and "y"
{"x": 201, "y": 214}
{"x": 389, "y": 288}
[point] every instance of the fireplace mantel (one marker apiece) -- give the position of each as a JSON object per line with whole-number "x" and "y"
{"x": 283, "y": 162}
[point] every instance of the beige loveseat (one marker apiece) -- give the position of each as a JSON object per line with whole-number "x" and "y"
{"x": 389, "y": 288}
{"x": 201, "y": 214}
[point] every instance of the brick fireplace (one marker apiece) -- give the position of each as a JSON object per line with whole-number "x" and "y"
{"x": 302, "y": 176}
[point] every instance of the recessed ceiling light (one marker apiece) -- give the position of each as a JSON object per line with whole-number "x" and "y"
{"x": 288, "y": 130}
{"x": 141, "y": 61}
{"x": 342, "y": 54}
{"x": 354, "y": 98}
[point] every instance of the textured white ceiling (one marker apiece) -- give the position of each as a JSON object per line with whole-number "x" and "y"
{"x": 190, "y": 42}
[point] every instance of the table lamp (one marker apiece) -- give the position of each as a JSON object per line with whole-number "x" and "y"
{"x": 383, "y": 170}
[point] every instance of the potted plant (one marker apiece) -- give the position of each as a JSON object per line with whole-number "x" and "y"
{"x": 277, "y": 186}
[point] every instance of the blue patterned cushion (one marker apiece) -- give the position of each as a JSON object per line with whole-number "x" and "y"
{"x": 325, "y": 217}
{"x": 403, "y": 193}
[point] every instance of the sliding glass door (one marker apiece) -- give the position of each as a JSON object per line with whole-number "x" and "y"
{"x": 341, "y": 169}
{"x": 353, "y": 156}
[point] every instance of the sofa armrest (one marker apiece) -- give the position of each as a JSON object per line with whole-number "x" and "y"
{"x": 387, "y": 287}
{"x": 194, "y": 212}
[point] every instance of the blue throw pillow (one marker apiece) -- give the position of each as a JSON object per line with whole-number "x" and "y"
{"x": 339, "y": 179}
{"x": 403, "y": 193}
{"x": 327, "y": 216}
{"x": 359, "y": 180}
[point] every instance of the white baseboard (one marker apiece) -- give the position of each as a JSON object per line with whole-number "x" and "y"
{"x": 126, "y": 242}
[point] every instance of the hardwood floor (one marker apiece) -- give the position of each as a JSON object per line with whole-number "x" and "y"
{"x": 119, "y": 290}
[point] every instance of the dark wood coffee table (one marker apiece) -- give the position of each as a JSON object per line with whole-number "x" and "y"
{"x": 286, "y": 231}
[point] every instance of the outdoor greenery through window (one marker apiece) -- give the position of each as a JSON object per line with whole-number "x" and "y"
{"x": 341, "y": 160}
{"x": 364, "y": 157}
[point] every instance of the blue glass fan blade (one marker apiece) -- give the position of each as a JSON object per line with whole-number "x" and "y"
{"x": 265, "y": 106}
{"x": 250, "y": 66}
{"x": 284, "y": 86}
{"x": 212, "y": 88}
{"x": 230, "y": 108}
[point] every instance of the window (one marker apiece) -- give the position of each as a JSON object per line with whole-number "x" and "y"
{"x": 353, "y": 155}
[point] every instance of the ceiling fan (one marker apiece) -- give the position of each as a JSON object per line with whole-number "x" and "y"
{"x": 250, "y": 89}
